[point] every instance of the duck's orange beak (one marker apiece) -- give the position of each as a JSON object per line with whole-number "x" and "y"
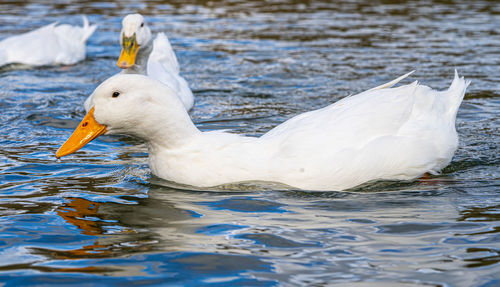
{"x": 128, "y": 53}
{"x": 87, "y": 130}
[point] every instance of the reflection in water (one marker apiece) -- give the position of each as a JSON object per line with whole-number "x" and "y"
{"x": 145, "y": 225}
{"x": 488, "y": 213}
{"x": 83, "y": 214}
{"x": 77, "y": 212}
{"x": 140, "y": 225}
{"x": 486, "y": 256}
{"x": 482, "y": 256}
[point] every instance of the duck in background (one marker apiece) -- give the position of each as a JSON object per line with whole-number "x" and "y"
{"x": 142, "y": 55}
{"x": 52, "y": 44}
{"x": 381, "y": 134}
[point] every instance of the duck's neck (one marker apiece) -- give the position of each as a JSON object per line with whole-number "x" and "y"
{"x": 141, "y": 60}
{"x": 211, "y": 158}
{"x": 169, "y": 127}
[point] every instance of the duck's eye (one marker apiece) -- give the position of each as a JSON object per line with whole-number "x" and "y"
{"x": 116, "y": 94}
{"x": 142, "y": 24}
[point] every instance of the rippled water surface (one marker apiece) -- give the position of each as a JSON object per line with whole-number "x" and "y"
{"x": 99, "y": 217}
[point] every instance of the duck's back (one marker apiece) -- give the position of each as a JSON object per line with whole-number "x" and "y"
{"x": 351, "y": 121}
{"x": 163, "y": 66}
{"x": 397, "y": 133}
{"x": 31, "y": 47}
{"x": 50, "y": 44}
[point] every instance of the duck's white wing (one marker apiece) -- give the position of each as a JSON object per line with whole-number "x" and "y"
{"x": 163, "y": 54}
{"x": 346, "y": 121}
{"x": 397, "y": 133}
{"x": 48, "y": 45}
{"x": 163, "y": 66}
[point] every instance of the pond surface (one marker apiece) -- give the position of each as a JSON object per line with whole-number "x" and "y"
{"x": 100, "y": 217}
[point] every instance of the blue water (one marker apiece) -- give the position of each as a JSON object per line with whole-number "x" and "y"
{"x": 100, "y": 217}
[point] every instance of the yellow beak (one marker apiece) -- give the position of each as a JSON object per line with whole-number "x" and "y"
{"x": 128, "y": 53}
{"x": 87, "y": 130}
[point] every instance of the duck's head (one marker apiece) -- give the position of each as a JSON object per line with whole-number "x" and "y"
{"x": 134, "y": 35}
{"x": 129, "y": 104}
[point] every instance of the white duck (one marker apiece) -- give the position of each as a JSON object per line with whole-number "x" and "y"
{"x": 49, "y": 45}
{"x": 156, "y": 59}
{"x": 384, "y": 133}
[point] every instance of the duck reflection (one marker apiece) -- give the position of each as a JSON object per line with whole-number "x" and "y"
{"x": 133, "y": 225}
{"x": 79, "y": 211}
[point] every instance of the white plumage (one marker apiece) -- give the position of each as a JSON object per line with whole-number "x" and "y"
{"x": 381, "y": 134}
{"x": 155, "y": 59}
{"x": 163, "y": 66}
{"x": 49, "y": 45}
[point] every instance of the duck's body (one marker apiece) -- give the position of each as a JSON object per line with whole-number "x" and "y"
{"x": 386, "y": 133}
{"x": 49, "y": 45}
{"x": 163, "y": 66}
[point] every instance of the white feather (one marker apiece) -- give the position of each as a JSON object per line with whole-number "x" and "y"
{"x": 155, "y": 59}
{"x": 49, "y": 45}
{"x": 163, "y": 66}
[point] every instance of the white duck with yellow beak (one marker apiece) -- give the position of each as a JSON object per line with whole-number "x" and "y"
{"x": 156, "y": 59}
{"x": 381, "y": 134}
{"x": 49, "y": 45}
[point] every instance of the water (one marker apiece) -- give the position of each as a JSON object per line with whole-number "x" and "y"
{"x": 100, "y": 218}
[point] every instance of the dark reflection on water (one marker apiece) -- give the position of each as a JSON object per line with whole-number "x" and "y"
{"x": 484, "y": 255}
{"x": 101, "y": 216}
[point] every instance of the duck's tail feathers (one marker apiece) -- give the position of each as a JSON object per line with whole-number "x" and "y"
{"x": 88, "y": 30}
{"x": 163, "y": 53}
{"x": 455, "y": 94}
{"x": 393, "y": 82}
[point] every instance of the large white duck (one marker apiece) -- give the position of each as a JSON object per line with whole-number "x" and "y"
{"x": 49, "y": 45}
{"x": 381, "y": 134}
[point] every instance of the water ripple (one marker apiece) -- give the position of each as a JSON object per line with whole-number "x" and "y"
{"x": 101, "y": 216}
